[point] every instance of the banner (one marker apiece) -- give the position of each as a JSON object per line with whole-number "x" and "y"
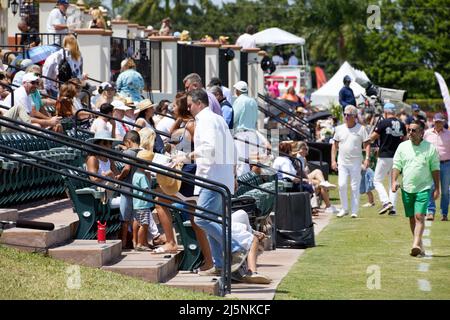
{"x": 445, "y": 94}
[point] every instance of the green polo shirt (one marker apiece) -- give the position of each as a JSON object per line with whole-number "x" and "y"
{"x": 416, "y": 163}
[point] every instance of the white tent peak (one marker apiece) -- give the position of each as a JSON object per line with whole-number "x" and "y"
{"x": 328, "y": 94}
{"x": 276, "y": 37}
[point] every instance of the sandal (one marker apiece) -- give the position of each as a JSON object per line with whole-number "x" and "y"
{"x": 162, "y": 250}
{"x": 158, "y": 241}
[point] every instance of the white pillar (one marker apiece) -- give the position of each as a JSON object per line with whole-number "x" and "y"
{"x": 253, "y": 65}
{"x": 211, "y": 60}
{"x": 169, "y": 68}
{"x": 234, "y": 66}
{"x": 45, "y": 6}
{"x": 95, "y": 47}
{"x": 132, "y": 30}
{"x": 140, "y": 32}
{"x": 260, "y": 86}
{"x": 119, "y": 28}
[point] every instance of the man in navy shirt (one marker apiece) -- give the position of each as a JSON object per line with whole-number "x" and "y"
{"x": 346, "y": 96}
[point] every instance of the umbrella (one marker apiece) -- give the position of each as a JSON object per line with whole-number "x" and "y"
{"x": 40, "y": 53}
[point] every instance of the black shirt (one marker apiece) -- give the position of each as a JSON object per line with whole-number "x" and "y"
{"x": 28, "y": 38}
{"x": 391, "y": 131}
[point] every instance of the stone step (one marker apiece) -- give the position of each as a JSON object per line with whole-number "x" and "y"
{"x": 59, "y": 213}
{"x": 36, "y": 240}
{"x": 9, "y": 214}
{"x": 192, "y": 281}
{"x": 146, "y": 266}
{"x": 88, "y": 253}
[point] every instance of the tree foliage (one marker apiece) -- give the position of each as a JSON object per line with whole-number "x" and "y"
{"x": 411, "y": 43}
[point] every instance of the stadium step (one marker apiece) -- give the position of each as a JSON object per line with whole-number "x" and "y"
{"x": 9, "y": 214}
{"x": 59, "y": 213}
{"x": 191, "y": 281}
{"x": 146, "y": 266}
{"x": 88, "y": 253}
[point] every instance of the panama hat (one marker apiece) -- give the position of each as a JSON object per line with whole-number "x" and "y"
{"x": 170, "y": 186}
{"x": 103, "y": 135}
{"x": 144, "y": 105}
{"x": 146, "y": 155}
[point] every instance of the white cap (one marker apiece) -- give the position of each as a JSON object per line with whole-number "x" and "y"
{"x": 119, "y": 105}
{"x": 26, "y": 63}
{"x": 241, "y": 86}
{"x": 29, "y": 77}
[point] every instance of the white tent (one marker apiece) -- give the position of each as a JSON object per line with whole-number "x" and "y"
{"x": 328, "y": 94}
{"x": 276, "y": 37}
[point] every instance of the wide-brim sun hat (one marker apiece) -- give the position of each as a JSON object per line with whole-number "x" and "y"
{"x": 144, "y": 105}
{"x": 170, "y": 186}
{"x": 146, "y": 155}
{"x": 103, "y": 135}
{"x": 120, "y": 105}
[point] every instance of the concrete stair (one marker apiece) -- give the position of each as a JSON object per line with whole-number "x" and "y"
{"x": 146, "y": 266}
{"x": 192, "y": 281}
{"x": 88, "y": 253}
{"x": 59, "y": 213}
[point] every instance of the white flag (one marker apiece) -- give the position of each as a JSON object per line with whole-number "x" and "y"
{"x": 444, "y": 92}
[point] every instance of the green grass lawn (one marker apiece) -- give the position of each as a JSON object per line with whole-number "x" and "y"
{"x": 35, "y": 276}
{"x": 346, "y": 248}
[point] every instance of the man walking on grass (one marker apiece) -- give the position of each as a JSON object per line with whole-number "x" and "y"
{"x": 418, "y": 161}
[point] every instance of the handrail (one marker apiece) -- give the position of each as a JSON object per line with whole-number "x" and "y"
{"x": 162, "y": 133}
{"x": 286, "y": 124}
{"x": 165, "y": 115}
{"x": 218, "y": 187}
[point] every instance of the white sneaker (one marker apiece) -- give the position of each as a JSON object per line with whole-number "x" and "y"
{"x": 368, "y": 205}
{"x": 331, "y": 209}
{"x": 342, "y": 213}
{"x": 327, "y": 185}
{"x": 354, "y": 215}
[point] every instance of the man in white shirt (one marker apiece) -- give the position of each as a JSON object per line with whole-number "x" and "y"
{"x": 246, "y": 40}
{"x": 348, "y": 139}
{"x": 22, "y": 100}
{"x": 215, "y": 157}
{"x": 57, "y": 19}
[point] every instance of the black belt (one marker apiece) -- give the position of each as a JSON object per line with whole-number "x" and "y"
{"x": 445, "y": 161}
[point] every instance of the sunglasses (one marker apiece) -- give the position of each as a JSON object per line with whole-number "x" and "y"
{"x": 348, "y": 115}
{"x": 412, "y": 130}
{"x": 35, "y": 82}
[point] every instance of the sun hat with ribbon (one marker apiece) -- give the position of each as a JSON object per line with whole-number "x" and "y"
{"x": 170, "y": 186}
{"x": 144, "y": 105}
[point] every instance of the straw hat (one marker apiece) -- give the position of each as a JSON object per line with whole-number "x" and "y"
{"x": 145, "y": 155}
{"x": 144, "y": 105}
{"x": 170, "y": 186}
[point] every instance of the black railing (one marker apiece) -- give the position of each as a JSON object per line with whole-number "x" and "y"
{"x": 190, "y": 58}
{"x": 146, "y": 54}
{"x": 221, "y": 189}
{"x": 223, "y": 66}
{"x": 22, "y": 50}
{"x": 46, "y": 38}
{"x": 244, "y": 66}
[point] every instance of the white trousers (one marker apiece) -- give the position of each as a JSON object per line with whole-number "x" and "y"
{"x": 353, "y": 172}
{"x": 383, "y": 168}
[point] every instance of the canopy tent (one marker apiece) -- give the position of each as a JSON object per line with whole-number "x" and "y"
{"x": 328, "y": 94}
{"x": 276, "y": 37}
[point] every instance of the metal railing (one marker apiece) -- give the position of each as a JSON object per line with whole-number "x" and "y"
{"x": 46, "y": 37}
{"x": 221, "y": 189}
{"x": 23, "y": 50}
{"x": 190, "y": 58}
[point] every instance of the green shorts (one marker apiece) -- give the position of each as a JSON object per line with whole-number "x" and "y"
{"x": 415, "y": 202}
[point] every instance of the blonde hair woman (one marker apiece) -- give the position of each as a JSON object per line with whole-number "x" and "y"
{"x": 98, "y": 22}
{"x": 73, "y": 56}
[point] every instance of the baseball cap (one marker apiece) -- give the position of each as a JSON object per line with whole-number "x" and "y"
{"x": 29, "y": 77}
{"x": 119, "y": 105}
{"x": 241, "y": 86}
{"x": 438, "y": 117}
{"x": 415, "y": 107}
{"x": 66, "y": 2}
{"x": 389, "y": 106}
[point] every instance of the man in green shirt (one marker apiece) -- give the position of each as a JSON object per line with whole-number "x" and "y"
{"x": 418, "y": 161}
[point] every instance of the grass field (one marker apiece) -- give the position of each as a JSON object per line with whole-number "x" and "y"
{"x": 34, "y": 276}
{"x": 350, "y": 252}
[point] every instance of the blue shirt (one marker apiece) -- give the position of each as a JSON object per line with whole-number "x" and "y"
{"x": 245, "y": 113}
{"x": 346, "y": 97}
{"x": 130, "y": 83}
{"x": 227, "y": 112}
{"x": 141, "y": 181}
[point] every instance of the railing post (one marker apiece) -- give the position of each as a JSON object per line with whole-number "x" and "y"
{"x": 169, "y": 67}
{"x": 252, "y": 67}
{"x": 211, "y": 60}
{"x": 234, "y": 71}
{"x": 260, "y": 86}
{"x": 132, "y": 30}
{"x": 119, "y": 28}
{"x": 95, "y": 46}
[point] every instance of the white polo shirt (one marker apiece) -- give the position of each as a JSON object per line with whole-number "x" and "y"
{"x": 350, "y": 143}
{"x": 20, "y": 98}
{"x": 55, "y": 17}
